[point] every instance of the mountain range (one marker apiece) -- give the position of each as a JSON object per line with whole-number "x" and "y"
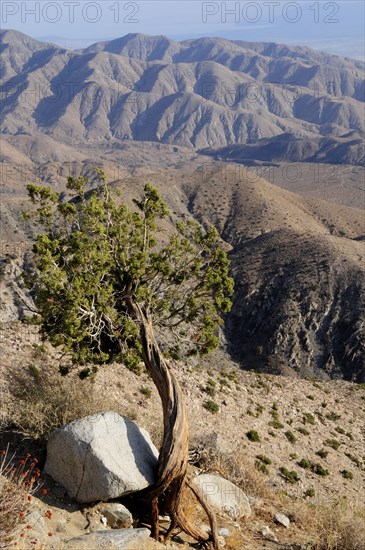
{"x": 204, "y": 93}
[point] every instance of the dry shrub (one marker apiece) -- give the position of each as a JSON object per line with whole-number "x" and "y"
{"x": 43, "y": 400}
{"x": 236, "y": 541}
{"x": 339, "y": 526}
{"x": 232, "y": 466}
{"x": 18, "y": 481}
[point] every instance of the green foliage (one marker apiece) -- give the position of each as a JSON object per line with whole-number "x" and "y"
{"x": 315, "y": 467}
{"x": 261, "y": 467}
{"x": 308, "y": 418}
{"x": 304, "y": 463}
{"x": 146, "y": 391}
{"x": 319, "y": 470}
{"x": 302, "y": 430}
{"x": 211, "y": 406}
{"x": 210, "y": 387}
{"x": 310, "y": 493}
{"x": 332, "y": 443}
{"x": 253, "y": 436}
{"x": 347, "y": 474}
{"x": 290, "y": 436}
{"x": 275, "y": 422}
{"x": 264, "y": 459}
{"x": 259, "y": 409}
{"x": 97, "y": 262}
{"x": 354, "y": 459}
{"x": 34, "y": 370}
{"x": 290, "y": 476}
{"x": 333, "y": 416}
{"x": 340, "y": 430}
{"x": 322, "y": 453}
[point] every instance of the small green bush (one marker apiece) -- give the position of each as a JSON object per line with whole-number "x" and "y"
{"x": 319, "y": 470}
{"x": 276, "y": 424}
{"x": 146, "y": 391}
{"x": 303, "y": 430}
{"x": 333, "y": 416}
{"x": 354, "y": 459}
{"x": 34, "y": 370}
{"x": 264, "y": 459}
{"x": 259, "y": 409}
{"x": 210, "y": 387}
{"x": 347, "y": 474}
{"x": 304, "y": 463}
{"x": 290, "y": 436}
{"x": 211, "y": 406}
{"x": 340, "y": 430}
{"x": 322, "y": 453}
{"x": 261, "y": 467}
{"x": 310, "y": 493}
{"x": 332, "y": 443}
{"x": 289, "y": 476}
{"x": 253, "y": 436}
{"x": 308, "y": 418}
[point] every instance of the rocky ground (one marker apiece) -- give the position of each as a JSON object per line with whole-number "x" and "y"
{"x": 254, "y": 429}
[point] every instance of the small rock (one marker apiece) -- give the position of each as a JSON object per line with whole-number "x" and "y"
{"x": 223, "y": 495}
{"x": 282, "y": 520}
{"x": 222, "y": 542}
{"x": 123, "y": 539}
{"x": 39, "y": 530}
{"x": 117, "y": 516}
{"x": 223, "y": 532}
{"x": 36, "y": 521}
{"x": 268, "y": 534}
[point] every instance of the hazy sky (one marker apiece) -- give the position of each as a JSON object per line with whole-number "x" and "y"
{"x": 337, "y": 27}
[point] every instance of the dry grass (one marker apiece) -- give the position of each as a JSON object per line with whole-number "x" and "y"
{"x": 234, "y": 467}
{"x": 339, "y": 526}
{"x": 18, "y": 481}
{"x": 43, "y": 400}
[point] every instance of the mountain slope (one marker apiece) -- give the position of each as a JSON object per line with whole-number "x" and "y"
{"x": 345, "y": 149}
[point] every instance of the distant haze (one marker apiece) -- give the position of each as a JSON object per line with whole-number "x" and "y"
{"x": 335, "y": 27}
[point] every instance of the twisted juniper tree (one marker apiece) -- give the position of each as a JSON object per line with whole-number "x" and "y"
{"x": 107, "y": 289}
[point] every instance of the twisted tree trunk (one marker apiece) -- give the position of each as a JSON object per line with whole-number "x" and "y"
{"x": 166, "y": 494}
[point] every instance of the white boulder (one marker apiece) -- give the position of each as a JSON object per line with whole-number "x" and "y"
{"x": 101, "y": 457}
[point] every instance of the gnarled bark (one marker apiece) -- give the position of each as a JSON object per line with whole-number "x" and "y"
{"x": 166, "y": 493}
